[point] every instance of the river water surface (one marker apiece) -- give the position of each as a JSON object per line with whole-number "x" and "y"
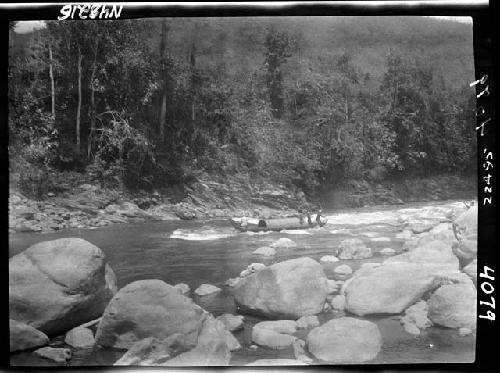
{"x": 197, "y": 252}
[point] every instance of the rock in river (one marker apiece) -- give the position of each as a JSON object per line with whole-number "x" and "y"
{"x": 391, "y": 287}
{"x": 343, "y": 271}
{"x": 148, "y": 308}
{"x": 57, "y": 355}
{"x": 454, "y": 306}
{"x": 206, "y": 289}
{"x": 354, "y": 248}
{"x": 80, "y": 338}
{"x": 415, "y": 318}
{"x": 232, "y": 322}
{"x": 265, "y": 251}
{"x": 345, "y": 340}
{"x": 288, "y": 289}
{"x": 24, "y": 337}
{"x": 284, "y": 243}
{"x": 271, "y": 338}
{"x": 57, "y": 285}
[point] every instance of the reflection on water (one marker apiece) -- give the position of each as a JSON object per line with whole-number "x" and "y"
{"x": 196, "y": 252}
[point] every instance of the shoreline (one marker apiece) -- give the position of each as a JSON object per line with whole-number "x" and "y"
{"x": 92, "y": 206}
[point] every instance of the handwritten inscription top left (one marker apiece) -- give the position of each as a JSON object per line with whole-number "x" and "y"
{"x": 92, "y": 11}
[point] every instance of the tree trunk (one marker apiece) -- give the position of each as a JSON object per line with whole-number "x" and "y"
{"x": 79, "y": 107}
{"x": 52, "y": 85}
{"x": 163, "y": 73}
{"x": 92, "y": 102}
{"x": 193, "y": 80}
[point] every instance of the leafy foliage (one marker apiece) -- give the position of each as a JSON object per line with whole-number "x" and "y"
{"x": 297, "y": 101}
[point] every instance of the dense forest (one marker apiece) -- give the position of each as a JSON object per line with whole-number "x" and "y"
{"x": 304, "y": 101}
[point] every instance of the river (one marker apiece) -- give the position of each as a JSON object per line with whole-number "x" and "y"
{"x": 197, "y": 252}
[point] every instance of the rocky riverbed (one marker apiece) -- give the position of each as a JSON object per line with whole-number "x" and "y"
{"x": 287, "y": 307}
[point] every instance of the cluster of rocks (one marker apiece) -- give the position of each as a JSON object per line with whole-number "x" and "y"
{"x": 57, "y": 287}
{"x": 427, "y": 282}
{"x": 66, "y": 286}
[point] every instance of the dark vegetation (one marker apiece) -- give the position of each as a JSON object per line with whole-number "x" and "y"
{"x": 308, "y": 102}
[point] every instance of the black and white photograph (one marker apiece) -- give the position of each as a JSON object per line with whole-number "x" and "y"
{"x": 242, "y": 191}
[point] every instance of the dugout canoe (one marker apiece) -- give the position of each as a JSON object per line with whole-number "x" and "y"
{"x": 259, "y": 225}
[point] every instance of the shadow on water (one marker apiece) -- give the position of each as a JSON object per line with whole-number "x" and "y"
{"x": 147, "y": 251}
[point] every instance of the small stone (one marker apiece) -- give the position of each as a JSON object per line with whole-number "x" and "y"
{"x": 272, "y": 339}
{"x": 58, "y": 355}
{"x": 183, "y": 288}
{"x": 328, "y": 259}
{"x": 80, "y": 338}
{"x": 284, "y": 243}
{"x": 206, "y": 289}
{"x": 252, "y": 268}
{"x": 233, "y": 281}
{"x": 387, "y": 251}
{"x": 231, "y": 322}
{"x": 265, "y": 251}
{"x": 343, "y": 271}
{"x": 338, "y": 303}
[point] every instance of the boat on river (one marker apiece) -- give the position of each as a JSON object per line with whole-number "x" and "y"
{"x": 245, "y": 224}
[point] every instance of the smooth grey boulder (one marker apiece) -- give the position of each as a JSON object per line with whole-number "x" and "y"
{"x": 392, "y": 287}
{"x": 345, "y": 340}
{"x": 24, "y": 337}
{"x": 57, "y": 285}
{"x": 148, "y": 308}
{"x": 289, "y": 289}
{"x": 80, "y": 337}
{"x": 454, "y": 306}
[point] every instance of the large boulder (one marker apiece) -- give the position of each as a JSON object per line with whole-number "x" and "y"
{"x": 152, "y": 351}
{"x": 345, "y": 340}
{"x": 466, "y": 224}
{"x": 454, "y": 306}
{"x": 57, "y": 285}
{"x": 24, "y": 337}
{"x": 353, "y": 248}
{"x": 288, "y": 289}
{"x": 392, "y": 287}
{"x": 436, "y": 253}
{"x": 148, "y": 308}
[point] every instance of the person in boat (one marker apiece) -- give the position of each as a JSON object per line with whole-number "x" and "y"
{"x": 305, "y": 208}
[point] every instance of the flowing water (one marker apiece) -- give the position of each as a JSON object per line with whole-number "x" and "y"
{"x": 197, "y": 252}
